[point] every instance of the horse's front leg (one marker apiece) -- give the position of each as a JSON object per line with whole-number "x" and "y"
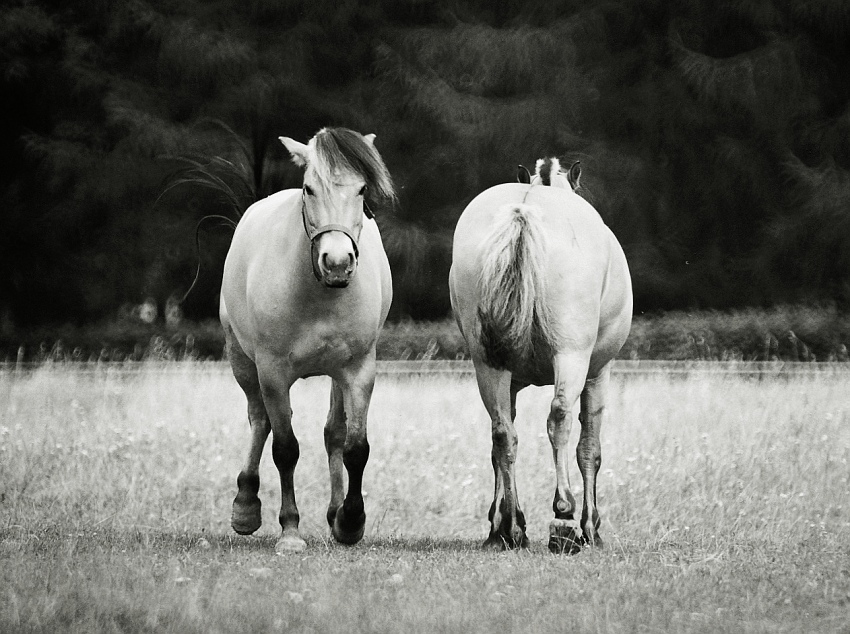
{"x": 335, "y": 434}
{"x": 246, "y": 516}
{"x": 507, "y": 522}
{"x": 357, "y": 382}
{"x": 570, "y": 372}
{"x": 275, "y": 383}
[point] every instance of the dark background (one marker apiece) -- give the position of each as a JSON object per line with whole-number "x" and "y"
{"x": 714, "y": 138}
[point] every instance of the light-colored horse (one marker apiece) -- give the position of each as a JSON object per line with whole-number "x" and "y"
{"x": 306, "y": 290}
{"x": 542, "y": 294}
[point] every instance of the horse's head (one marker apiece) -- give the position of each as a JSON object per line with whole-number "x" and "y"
{"x": 548, "y": 172}
{"x": 343, "y": 172}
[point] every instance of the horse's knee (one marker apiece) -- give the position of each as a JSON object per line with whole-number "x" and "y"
{"x": 285, "y": 451}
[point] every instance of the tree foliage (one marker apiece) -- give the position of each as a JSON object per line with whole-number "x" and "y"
{"x": 714, "y": 137}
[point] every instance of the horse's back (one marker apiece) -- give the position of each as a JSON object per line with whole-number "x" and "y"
{"x": 567, "y": 216}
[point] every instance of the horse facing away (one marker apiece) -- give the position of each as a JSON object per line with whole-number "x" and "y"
{"x": 548, "y": 172}
{"x": 305, "y": 291}
{"x": 541, "y": 292}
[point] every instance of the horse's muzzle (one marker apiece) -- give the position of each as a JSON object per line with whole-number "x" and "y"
{"x": 337, "y": 270}
{"x": 336, "y": 281}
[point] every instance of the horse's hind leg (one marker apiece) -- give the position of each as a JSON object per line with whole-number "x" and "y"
{"x": 507, "y": 522}
{"x": 357, "y": 383}
{"x": 246, "y": 516}
{"x": 570, "y": 372}
{"x": 335, "y": 432}
{"x": 589, "y": 451}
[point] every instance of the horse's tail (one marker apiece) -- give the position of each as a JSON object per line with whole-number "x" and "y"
{"x": 516, "y": 323}
{"x": 224, "y": 221}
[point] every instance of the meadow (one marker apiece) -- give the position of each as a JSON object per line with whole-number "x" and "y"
{"x": 725, "y": 502}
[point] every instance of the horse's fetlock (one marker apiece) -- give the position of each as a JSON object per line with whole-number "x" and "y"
{"x": 289, "y": 519}
{"x": 248, "y": 482}
{"x": 285, "y": 452}
{"x": 356, "y": 456}
{"x": 353, "y": 507}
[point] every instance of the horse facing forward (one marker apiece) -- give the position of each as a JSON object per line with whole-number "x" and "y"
{"x": 541, "y": 292}
{"x": 305, "y": 291}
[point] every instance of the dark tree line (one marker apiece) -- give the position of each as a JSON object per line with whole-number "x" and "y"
{"x": 714, "y": 137}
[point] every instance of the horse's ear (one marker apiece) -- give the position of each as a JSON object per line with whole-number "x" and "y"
{"x": 574, "y": 175}
{"x": 370, "y": 139}
{"x": 523, "y": 175}
{"x": 296, "y": 149}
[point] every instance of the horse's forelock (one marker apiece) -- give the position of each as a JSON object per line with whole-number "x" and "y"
{"x": 346, "y": 150}
{"x": 547, "y": 168}
{"x": 544, "y": 169}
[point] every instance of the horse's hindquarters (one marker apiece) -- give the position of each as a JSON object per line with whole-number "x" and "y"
{"x": 557, "y": 262}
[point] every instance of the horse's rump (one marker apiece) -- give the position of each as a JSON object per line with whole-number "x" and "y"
{"x": 516, "y": 323}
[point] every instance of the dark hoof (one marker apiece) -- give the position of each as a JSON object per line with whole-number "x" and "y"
{"x": 565, "y": 537}
{"x": 496, "y": 541}
{"x": 247, "y": 516}
{"x": 594, "y": 540}
{"x": 346, "y": 531}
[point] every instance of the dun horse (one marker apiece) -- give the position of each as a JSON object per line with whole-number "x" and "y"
{"x": 306, "y": 290}
{"x": 541, "y": 292}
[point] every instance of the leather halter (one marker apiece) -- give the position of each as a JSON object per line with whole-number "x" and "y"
{"x": 314, "y": 233}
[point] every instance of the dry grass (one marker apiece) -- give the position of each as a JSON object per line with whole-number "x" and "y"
{"x": 725, "y": 508}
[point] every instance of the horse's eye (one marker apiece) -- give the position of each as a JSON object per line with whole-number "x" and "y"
{"x": 362, "y": 191}
{"x": 308, "y": 190}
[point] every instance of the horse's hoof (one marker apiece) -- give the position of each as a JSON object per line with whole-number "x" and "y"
{"x": 291, "y": 543}
{"x": 497, "y": 542}
{"x": 346, "y": 531}
{"x": 494, "y": 542}
{"x": 246, "y": 517}
{"x": 565, "y": 537}
{"x": 594, "y": 540}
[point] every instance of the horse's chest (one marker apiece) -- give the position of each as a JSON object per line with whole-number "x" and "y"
{"x": 322, "y": 353}
{"x": 315, "y": 341}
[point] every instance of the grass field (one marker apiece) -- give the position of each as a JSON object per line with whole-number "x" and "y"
{"x": 725, "y": 502}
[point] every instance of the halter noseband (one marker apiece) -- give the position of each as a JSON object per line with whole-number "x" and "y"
{"x": 312, "y": 234}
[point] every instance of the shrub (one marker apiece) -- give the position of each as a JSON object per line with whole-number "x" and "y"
{"x": 784, "y": 333}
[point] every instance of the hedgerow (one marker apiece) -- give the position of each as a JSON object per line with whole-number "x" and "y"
{"x": 786, "y": 333}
